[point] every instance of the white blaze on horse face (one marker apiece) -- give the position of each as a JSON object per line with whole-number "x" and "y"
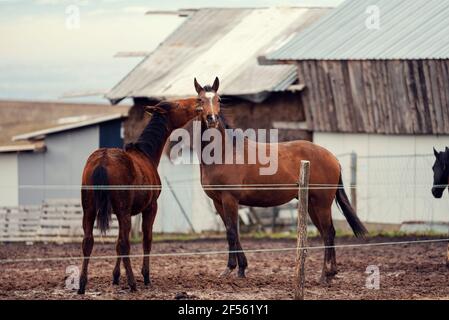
{"x": 210, "y": 95}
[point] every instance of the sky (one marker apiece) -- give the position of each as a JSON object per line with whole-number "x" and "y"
{"x": 53, "y": 47}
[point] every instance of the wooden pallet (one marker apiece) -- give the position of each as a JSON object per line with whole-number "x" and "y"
{"x": 54, "y": 221}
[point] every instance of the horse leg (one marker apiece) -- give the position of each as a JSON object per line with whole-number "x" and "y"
{"x": 124, "y": 221}
{"x": 241, "y": 258}
{"x": 88, "y": 244}
{"x": 116, "y": 272}
{"x": 230, "y": 213}
{"x": 148, "y": 216}
{"x": 232, "y": 257}
{"x": 322, "y": 218}
{"x": 330, "y": 263}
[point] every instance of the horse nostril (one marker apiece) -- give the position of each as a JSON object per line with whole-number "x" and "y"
{"x": 209, "y": 117}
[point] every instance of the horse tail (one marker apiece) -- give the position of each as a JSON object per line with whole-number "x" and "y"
{"x": 348, "y": 211}
{"x": 102, "y": 198}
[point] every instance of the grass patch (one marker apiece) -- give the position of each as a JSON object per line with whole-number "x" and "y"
{"x": 286, "y": 235}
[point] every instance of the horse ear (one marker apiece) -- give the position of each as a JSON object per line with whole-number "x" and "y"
{"x": 154, "y": 109}
{"x": 435, "y": 152}
{"x": 216, "y": 84}
{"x": 198, "y": 87}
{"x": 447, "y": 149}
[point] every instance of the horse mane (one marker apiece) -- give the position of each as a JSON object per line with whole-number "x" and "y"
{"x": 153, "y": 137}
{"x": 208, "y": 88}
{"x": 443, "y": 156}
{"x": 224, "y": 121}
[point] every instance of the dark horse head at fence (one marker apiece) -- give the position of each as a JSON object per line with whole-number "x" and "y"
{"x": 440, "y": 172}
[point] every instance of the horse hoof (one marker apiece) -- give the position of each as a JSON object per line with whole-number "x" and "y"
{"x": 81, "y": 291}
{"x": 115, "y": 282}
{"x": 133, "y": 288}
{"x": 226, "y": 273}
{"x": 241, "y": 274}
{"x": 325, "y": 280}
{"x": 147, "y": 281}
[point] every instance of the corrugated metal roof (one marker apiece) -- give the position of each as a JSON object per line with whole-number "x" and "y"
{"x": 223, "y": 42}
{"x": 42, "y": 133}
{"x": 409, "y": 29}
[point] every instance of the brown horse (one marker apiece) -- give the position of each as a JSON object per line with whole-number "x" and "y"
{"x": 134, "y": 166}
{"x": 325, "y": 170}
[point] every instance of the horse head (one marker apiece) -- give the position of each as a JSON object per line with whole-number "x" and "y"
{"x": 440, "y": 172}
{"x": 177, "y": 112}
{"x": 209, "y": 101}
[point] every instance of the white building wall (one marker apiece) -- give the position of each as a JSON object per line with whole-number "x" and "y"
{"x": 64, "y": 161}
{"x": 9, "y": 180}
{"x": 197, "y": 209}
{"x": 394, "y": 175}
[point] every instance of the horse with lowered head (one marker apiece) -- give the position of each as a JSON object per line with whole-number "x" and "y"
{"x": 325, "y": 171}
{"x": 107, "y": 186}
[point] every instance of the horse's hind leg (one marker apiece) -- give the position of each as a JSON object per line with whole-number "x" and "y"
{"x": 88, "y": 243}
{"x": 330, "y": 261}
{"x": 322, "y": 218}
{"x": 148, "y": 217}
{"x": 116, "y": 272}
{"x": 124, "y": 221}
{"x": 241, "y": 258}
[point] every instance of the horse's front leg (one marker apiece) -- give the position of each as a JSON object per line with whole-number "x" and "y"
{"x": 148, "y": 216}
{"x": 231, "y": 219}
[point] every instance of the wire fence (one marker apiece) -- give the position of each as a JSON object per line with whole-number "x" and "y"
{"x": 222, "y": 252}
{"x": 385, "y": 189}
{"x": 395, "y": 188}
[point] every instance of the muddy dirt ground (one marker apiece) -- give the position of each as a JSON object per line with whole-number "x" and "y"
{"x": 407, "y": 271}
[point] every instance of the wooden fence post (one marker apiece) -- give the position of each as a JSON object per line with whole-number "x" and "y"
{"x": 301, "y": 252}
{"x": 353, "y": 180}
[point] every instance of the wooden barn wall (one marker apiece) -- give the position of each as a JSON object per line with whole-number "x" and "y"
{"x": 282, "y": 106}
{"x": 386, "y": 97}
{"x": 279, "y": 107}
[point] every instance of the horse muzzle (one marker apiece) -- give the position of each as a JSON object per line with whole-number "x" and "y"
{"x": 437, "y": 192}
{"x": 212, "y": 121}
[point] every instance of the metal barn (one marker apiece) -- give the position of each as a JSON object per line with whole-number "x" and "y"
{"x": 225, "y": 42}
